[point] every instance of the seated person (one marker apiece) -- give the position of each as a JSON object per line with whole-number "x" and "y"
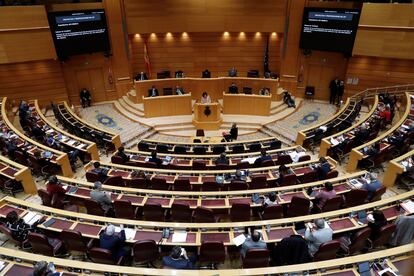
{"x": 264, "y": 91}
{"x": 141, "y": 76}
{"x": 270, "y": 200}
{"x": 283, "y": 170}
{"x": 103, "y": 198}
{"x": 268, "y": 75}
{"x": 253, "y": 241}
{"x": 397, "y": 140}
{"x": 371, "y": 186}
{"x": 233, "y": 89}
{"x": 317, "y": 235}
{"x": 54, "y": 186}
{"x": 238, "y": 176}
{"x": 178, "y": 259}
{"x": 206, "y": 74}
{"x": 52, "y": 142}
{"x": 369, "y": 155}
{"x": 232, "y": 134}
{"x": 73, "y": 157}
{"x": 43, "y": 268}
{"x": 11, "y": 147}
{"x": 155, "y": 159}
{"x": 179, "y": 74}
{"x": 153, "y": 92}
{"x": 233, "y": 72}
{"x": 386, "y": 114}
{"x": 205, "y": 98}
{"x": 375, "y": 221}
{"x": 18, "y": 228}
{"x": 404, "y": 232}
{"x": 323, "y": 168}
{"x": 179, "y": 90}
{"x": 222, "y": 159}
{"x": 288, "y": 99}
{"x": 362, "y": 135}
{"x": 297, "y": 153}
{"x": 115, "y": 242}
{"x": 121, "y": 153}
{"x": 85, "y": 97}
{"x": 37, "y": 132}
{"x": 102, "y": 172}
{"x": 263, "y": 157}
{"x": 322, "y": 196}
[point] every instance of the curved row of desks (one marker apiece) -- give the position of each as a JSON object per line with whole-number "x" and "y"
{"x": 267, "y": 143}
{"x": 187, "y": 162}
{"x": 69, "y": 140}
{"x": 407, "y": 117}
{"x": 349, "y": 109}
{"x": 396, "y": 167}
{"x": 197, "y": 177}
{"x": 80, "y": 190}
{"x": 30, "y": 146}
{"x": 213, "y": 86}
{"x": 340, "y": 221}
{"x": 19, "y": 173}
{"x": 333, "y": 140}
{"x": 398, "y": 258}
{"x": 64, "y": 112}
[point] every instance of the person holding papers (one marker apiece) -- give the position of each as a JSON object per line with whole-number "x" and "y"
{"x": 115, "y": 242}
{"x": 375, "y": 221}
{"x": 253, "y": 241}
{"x": 317, "y": 234}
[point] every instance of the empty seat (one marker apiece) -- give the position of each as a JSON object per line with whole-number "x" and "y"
{"x": 240, "y": 212}
{"x": 154, "y": 212}
{"x": 298, "y": 206}
{"x": 180, "y": 149}
{"x": 145, "y": 252}
{"x": 218, "y": 149}
{"x": 182, "y": 185}
{"x": 238, "y": 185}
{"x": 358, "y": 242}
{"x": 43, "y": 245}
{"x": 327, "y": 251}
{"x": 180, "y": 212}
{"x": 258, "y": 182}
{"x": 355, "y": 197}
{"x": 272, "y": 212}
{"x": 159, "y": 183}
{"x": 124, "y": 209}
{"x": 74, "y": 241}
{"x": 199, "y": 150}
{"x": 202, "y": 214}
{"x": 212, "y": 252}
{"x": 331, "y": 204}
{"x": 103, "y": 256}
{"x": 210, "y": 186}
{"x": 115, "y": 181}
{"x": 256, "y": 258}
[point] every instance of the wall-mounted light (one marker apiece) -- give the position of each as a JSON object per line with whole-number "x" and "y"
{"x": 257, "y": 35}
{"x": 137, "y": 36}
{"x": 242, "y": 35}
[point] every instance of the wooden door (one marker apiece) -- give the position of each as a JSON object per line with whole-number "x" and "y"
{"x": 93, "y": 80}
{"x": 98, "y": 86}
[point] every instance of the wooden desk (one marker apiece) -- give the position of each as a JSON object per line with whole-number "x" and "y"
{"x": 71, "y": 141}
{"x": 395, "y": 168}
{"x": 246, "y": 104}
{"x": 71, "y": 119}
{"x": 326, "y": 144}
{"x": 167, "y": 105}
{"x": 213, "y": 86}
{"x": 18, "y": 172}
{"x": 207, "y": 116}
{"x": 356, "y": 154}
{"x": 24, "y": 265}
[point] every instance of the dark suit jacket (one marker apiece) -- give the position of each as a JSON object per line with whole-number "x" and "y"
{"x": 206, "y": 74}
{"x": 150, "y": 92}
{"x": 156, "y": 161}
{"x": 141, "y": 77}
{"x": 123, "y": 156}
{"x": 114, "y": 243}
{"x": 233, "y": 90}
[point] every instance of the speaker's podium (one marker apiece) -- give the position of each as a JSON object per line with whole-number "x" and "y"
{"x": 207, "y": 116}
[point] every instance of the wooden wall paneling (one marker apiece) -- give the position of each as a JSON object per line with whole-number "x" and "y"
{"x": 42, "y": 80}
{"x": 23, "y": 17}
{"x": 377, "y": 14}
{"x": 372, "y": 72}
{"x": 122, "y": 75}
{"x": 195, "y": 52}
{"x": 162, "y": 16}
{"x": 25, "y": 35}
{"x": 87, "y": 64}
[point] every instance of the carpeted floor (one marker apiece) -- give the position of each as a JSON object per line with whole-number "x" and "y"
{"x": 106, "y": 116}
{"x": 309, "y": 114}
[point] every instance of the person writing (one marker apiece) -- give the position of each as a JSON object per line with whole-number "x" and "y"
{"x": 178, "y": 259}
{"x": 205, "y": 98}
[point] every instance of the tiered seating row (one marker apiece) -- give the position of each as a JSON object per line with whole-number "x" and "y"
{"x": 30, "y": 146}
{"x": 386, "y": 149}
{"x": 70, "y": 141}
{"x": 81, "y": 128}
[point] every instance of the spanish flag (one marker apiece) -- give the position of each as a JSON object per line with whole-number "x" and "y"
{"x": 147, "y": 60}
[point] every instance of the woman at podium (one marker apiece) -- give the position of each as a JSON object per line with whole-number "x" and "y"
{"x": 205, "y": 98}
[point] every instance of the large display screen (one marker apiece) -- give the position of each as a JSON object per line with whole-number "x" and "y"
{"x": 329, "y": 29}
{"x": 79, "y": 32}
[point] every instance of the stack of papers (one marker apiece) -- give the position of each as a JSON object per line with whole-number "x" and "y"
{"x": 31, "y": 217}
{"x": 334, "y": 142}
{"x": 179, "y": 237}
{"x": 249, "y": 159}
{"x": 408, "y": 206}
{"x": 129, "y": 233}
{"x": 239, "y": 240}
